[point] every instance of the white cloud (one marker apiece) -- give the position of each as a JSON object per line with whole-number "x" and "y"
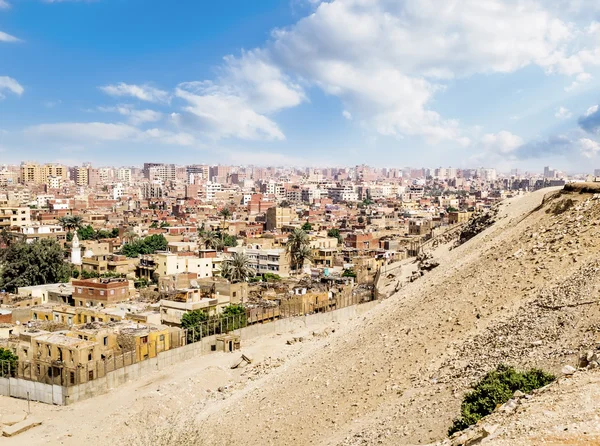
{"x": 136, "y": 117}
{"x": 141, "y": 92}
{"x": 563, "y": 113}
{"x": 101, "y": 132}
{"x": 502, "y": 143}
{"x": 580, "y": 79}
{"x": 217, "y": 114}
{"x": 238, "y": 103}
{"x": 4, "y": 37}
{"x": 386, "y": 59}
{"x": 346, "y": 114}
{"x": 590, "y": 111}
{"x": 4, "y": 4}
{"x": 588, "y": 147}
{"x": 11, "y": 85}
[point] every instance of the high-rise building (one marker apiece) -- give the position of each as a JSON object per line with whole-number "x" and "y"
{"x": 163, "y": 172}
{"x": 81, "y": 176}
{"x": 31, "y": 172}
{"x": 124, "y": 175}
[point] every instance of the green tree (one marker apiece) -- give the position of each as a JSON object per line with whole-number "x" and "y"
{"x": 233, "y": 317}
{"x": 86, "y": 233}
{"x": 192, "y": 322}
{"x": 237, "y": 268}
{"x": 348, "y": 273}
{"x": 148, "y": 245}
{"x": 8, "y": 363}
{"x": 228, "y": 240}
{"x": 298, "y": 248}
{"x": 165, "y": 224}
{"x": 37, "y": 263}
{"x": 360, "y": 219}
{"x": 335, "y": 233}
{"x": 495, "y": 388}
{"x": 307, "y": 227}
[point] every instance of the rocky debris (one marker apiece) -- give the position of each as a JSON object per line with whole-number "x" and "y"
{"x": 262, "y": 368}
{"x": 477, "y": 223}
{"x": 294, "y": 340}
{"x": 425, "y": 263}
{"x": 568, "y": 370}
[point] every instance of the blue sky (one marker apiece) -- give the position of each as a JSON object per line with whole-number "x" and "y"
{"x": 500, "y": 83}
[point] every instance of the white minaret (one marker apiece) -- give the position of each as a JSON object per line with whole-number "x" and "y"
{"x": 75, "y": 250}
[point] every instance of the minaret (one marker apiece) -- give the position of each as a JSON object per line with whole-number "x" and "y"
{"x": 75, "y": 250}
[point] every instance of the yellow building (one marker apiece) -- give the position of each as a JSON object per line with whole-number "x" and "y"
{"x": 11, "y": 217}
{"x": 278, "y": 217}
{"x": 37, "y": 174}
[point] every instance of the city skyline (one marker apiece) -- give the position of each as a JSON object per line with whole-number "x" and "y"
{"x": 301, "y": 83}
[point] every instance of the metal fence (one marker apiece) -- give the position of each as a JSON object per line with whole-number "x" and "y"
{"x": 64, "y": 374}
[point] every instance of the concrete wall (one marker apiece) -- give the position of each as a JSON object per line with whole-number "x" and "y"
{"x": 35, "y": 391}
{"x": 287, "y": 325}
{"x": 53, "y": 394}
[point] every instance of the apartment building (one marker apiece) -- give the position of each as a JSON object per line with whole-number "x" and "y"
{"x": 33, "y": 173}
{"x": 275, "y": 261}
{"x": 14, "y": 217}
{"x": 278, "y": 217}
{"x": 169, "y": 264}
{"x": 92, "y": 292}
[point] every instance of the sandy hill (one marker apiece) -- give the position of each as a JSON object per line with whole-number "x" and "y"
{"x": 523, "y": 292}
{"x": 518, "y": 293}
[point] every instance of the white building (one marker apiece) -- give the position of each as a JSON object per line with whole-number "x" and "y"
{"x": 124, "y": 175}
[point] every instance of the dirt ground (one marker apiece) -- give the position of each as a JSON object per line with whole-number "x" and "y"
{"x": 396, "y": 375}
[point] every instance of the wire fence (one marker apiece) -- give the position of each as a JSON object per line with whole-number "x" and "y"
{"x": 53, "y": 370}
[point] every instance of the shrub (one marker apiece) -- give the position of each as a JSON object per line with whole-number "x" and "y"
{"x": 496, "y": 387}
{"x": 8, "y": 363}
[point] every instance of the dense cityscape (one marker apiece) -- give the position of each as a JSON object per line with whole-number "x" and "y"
{"x": 299, "y": 222}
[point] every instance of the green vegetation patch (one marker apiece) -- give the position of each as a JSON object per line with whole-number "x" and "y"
{"x": 495, "y": 388}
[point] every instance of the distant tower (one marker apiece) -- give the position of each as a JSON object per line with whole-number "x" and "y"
{"x": 75, "y": 250}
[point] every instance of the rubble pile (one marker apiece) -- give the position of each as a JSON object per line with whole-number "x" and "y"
{"x": 426, "y": 262}
{"x": 476, "y": 224}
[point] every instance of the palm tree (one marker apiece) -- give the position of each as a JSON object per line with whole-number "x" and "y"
{"x": 237, "y": 268}
{"x": 211, "y": 239}
{"x": 298, "y": 248}
{"x": 225, "y": 213}
{"x": 70, "y": 222}
{"x": 130, "y": 236}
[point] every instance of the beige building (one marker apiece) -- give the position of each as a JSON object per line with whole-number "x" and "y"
{"x": 168, "y": 264}
{"x": 274, "y": 261}
{"x": 278, "y": 217}
{"x": 38, "y": 174}
{"x": 14, "y": 217}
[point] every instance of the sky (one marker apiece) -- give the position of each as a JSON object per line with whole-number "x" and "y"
{"x": 389, "y": 83}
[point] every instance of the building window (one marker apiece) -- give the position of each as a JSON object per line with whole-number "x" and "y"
{"x": 161, "y": 337}
{"x": 105, "y": 340}
{"x": 144, "y": 339}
